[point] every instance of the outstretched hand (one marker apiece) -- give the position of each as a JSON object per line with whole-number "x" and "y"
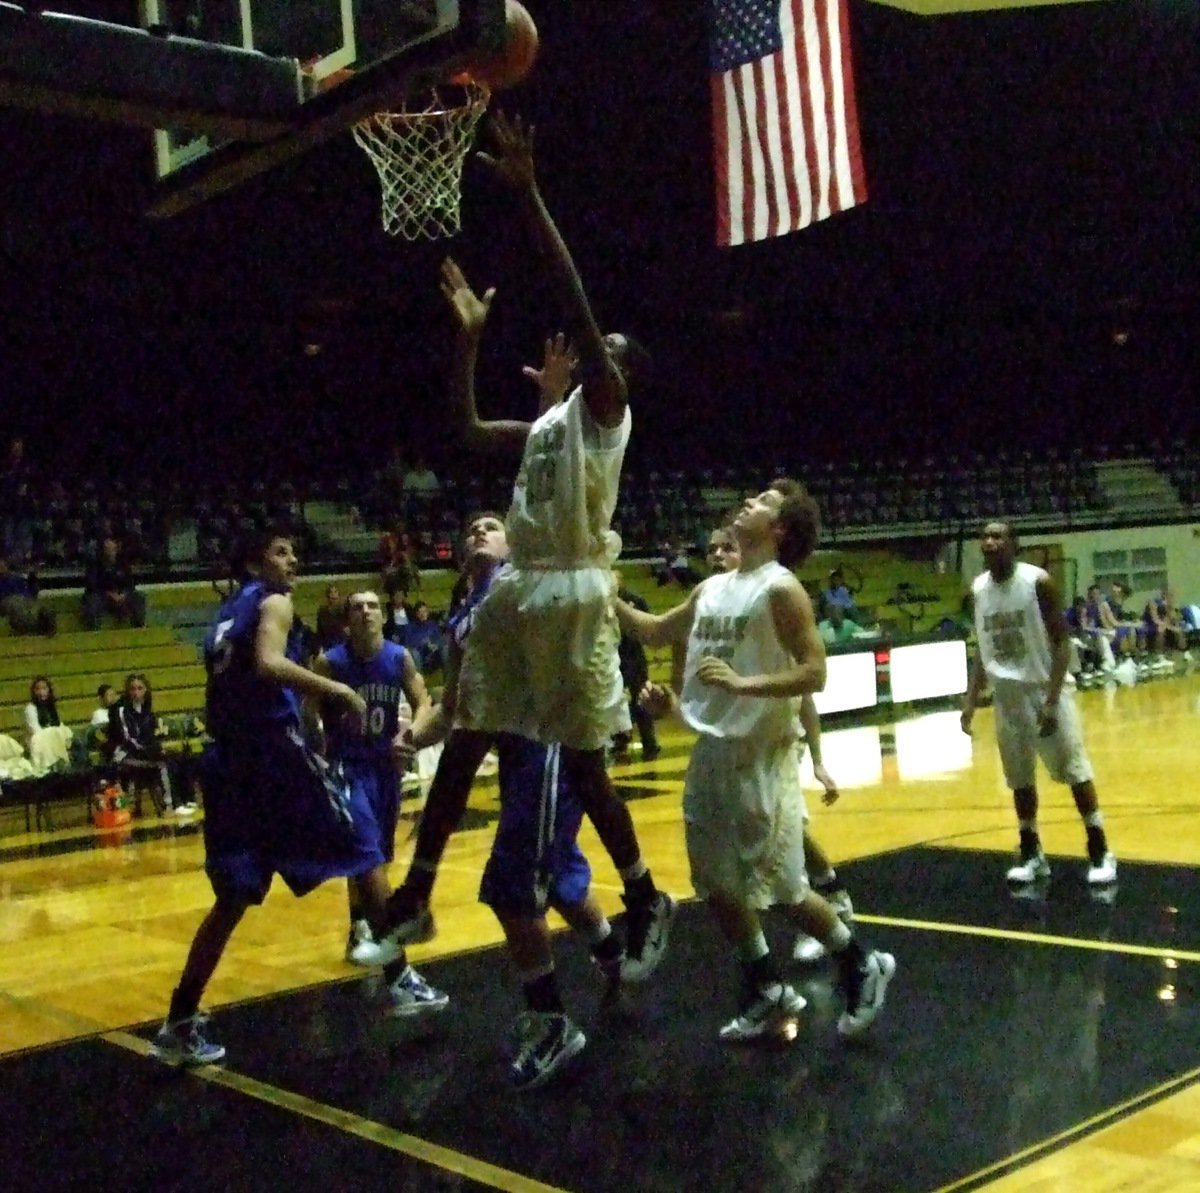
{"x": 512, "y": 151}
{"x": 554, "y": 377}
{"x": 470, "y": 309}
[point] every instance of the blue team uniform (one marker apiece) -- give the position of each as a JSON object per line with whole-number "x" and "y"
{"x": 364, "y": 750}
{"x": 535, "y": 858}
{"x": 271, "y": 805}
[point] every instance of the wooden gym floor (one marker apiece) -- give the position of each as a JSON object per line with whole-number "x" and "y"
{"x": 1027, "y": 1044}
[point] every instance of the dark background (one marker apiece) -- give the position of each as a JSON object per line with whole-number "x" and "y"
{"x": 1033, "y": 200}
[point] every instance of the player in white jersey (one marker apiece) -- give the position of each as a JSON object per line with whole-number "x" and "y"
{"x": 1023, "y": 649}
{"x": 752, "y": 647}
{"x": 724, "y": 556}
{"x": 542, "y": 661}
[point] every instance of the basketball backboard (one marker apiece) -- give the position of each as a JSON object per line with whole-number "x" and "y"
{"x": 234, "y": 87}
{"x": 352, "y": 53}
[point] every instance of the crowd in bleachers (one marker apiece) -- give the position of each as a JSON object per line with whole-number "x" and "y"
{"x": 58, "y": 527}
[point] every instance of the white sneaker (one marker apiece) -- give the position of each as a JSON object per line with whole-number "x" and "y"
{"x": 410, "y": 994}
{"x": 1103, "y": 872}
{"x": 768, "y": 1008}
{"x": 1030, "y": 869}
{"x": 808, "y": 949}
{"x": 361, "y": 946}
{"x": 858, "y": 1016}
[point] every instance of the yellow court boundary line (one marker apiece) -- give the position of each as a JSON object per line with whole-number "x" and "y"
{"x": 1073, "y": 942}
{"x": 1106, "y": 1117}
{"x": 342, "y": 1120}
{"x": 351, "y": 1124}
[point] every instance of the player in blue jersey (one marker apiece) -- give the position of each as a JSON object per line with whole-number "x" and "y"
{"x": 271, "y": 806}
{"x": 535, "y": 861}
{"x": 370, "y": 750}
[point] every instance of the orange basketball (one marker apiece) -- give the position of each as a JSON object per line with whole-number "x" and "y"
{"x": 510, "y": 65}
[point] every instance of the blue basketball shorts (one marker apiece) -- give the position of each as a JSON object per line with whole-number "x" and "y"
{"x": 271, "y": 806}
{"x": 536, "y": 856}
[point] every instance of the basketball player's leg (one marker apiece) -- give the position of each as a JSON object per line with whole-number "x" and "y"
{"x": 515, "y": 884}
{"x": 409, "y": 918}
{"x": 1016, "y": 713}
{"x": 569, "y": 636}
{"x": 1067, "y": 761}
{"x": 649, "y": 911}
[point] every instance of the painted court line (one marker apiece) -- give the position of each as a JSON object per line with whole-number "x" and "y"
{"x": 384, "y": 1136}
{"x": 1072, "y": 942}
{"x": 1053, "y": 1143}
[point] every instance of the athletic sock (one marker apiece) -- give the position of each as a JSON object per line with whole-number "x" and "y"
{"x": 1097, "y": 841}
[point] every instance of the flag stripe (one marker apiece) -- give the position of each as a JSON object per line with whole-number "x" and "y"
{"x": 785, "y": 128}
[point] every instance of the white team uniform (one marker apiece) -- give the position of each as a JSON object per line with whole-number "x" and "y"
{"x": 1015, "y": 651}
{"x": 541, "y": 660}
{"x": 742, "y": 803}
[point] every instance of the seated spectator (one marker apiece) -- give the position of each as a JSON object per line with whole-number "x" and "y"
{"x": 837, "y": 594}
{"x": 1085, "y": 654}
{"x": 422, "y": 638}
{"x": 106, "y": 694}
{"x": 420, "y": 481}
{"x": 1164, "y": 628}
{"x": 19, "y": 603}
{"x": 836, "y": 626}
{"x": 1125, "y": 634}
{"x": 135, "y": 740}
{"x": 42, "y": 710}
{"x": 1102, "y": 639}
{"x": 677, "y": 567}
{"x": 331, "y": 619}
{"x": 108, "y": 586}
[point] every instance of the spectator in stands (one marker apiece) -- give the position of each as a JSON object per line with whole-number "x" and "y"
{"x": 1125, "y": 634}
{"x": 42, "y": 710}
{"x": 1084, "y": 661}
{"x": 836, "y": 626}
{"x": 397, "y": 570}
{"x": 108, "y": 585}
{"x": 107, "y": 696}
{"x": 1165, "y": 630}
{"x": 1094, "y": 603}
{"x": 331, "y": 619}
{"x": 837, "y": 594}
{"x": 635, "y": 674}
{"x": 677, "y": 566}
{"x": 135, "y": 736}
{"x": 19, "y": 603}
{"x": 396, "y": 616}
{"x": 420, "y": 481}
{"x": 16, "y": 504}
{"x": 422, "y": 638}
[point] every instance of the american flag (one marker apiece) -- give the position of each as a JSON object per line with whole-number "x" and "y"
{"x": 784, "y": 119}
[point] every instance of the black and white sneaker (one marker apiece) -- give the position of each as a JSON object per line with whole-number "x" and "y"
{"x": 647, "y": 931}
{"x": 862, "y": 1010}
{"x": 765, "y": 1011}
{"x": 545, "y": 1042}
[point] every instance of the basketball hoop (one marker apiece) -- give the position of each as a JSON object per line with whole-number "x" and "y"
{"x": 418, "y": 154}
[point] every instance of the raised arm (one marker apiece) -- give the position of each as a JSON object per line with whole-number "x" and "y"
{"x": 470, "y": 312}
{"x": 554, "y": 377}
{"x": 604, "y": 390}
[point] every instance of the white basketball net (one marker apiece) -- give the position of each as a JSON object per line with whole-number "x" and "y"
{"x": 418, "y": 155}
